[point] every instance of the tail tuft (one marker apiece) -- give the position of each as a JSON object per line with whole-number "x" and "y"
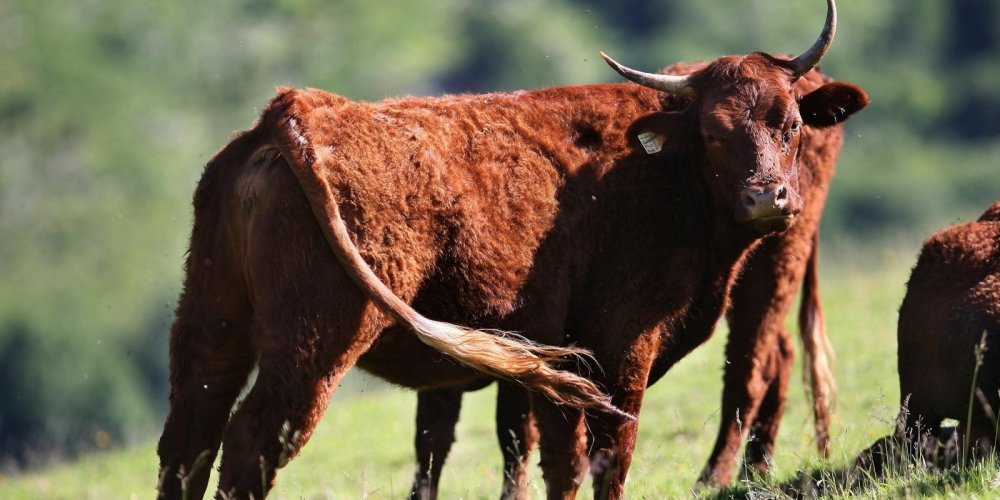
{"x": 819, "y": 355}
{"x": 512, "y": 357}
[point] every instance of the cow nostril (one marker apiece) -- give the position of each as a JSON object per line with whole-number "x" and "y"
{"x": 748, "y": 200}
{"x": 781, "y": 194}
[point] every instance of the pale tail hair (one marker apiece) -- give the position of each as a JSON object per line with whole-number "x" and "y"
{"x": 817, "y": 372}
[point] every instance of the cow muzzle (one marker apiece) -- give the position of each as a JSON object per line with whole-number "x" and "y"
{"x": 770, "y": 208}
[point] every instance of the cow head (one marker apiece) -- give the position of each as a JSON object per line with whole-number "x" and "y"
{"x": 747, "y": 119}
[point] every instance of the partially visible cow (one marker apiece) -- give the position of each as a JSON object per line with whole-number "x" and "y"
{"x": 948, "y": 350}
{"x": 318, "y": 232}
{"x": 949, "y": 333}
{"x": 758, "y": 354}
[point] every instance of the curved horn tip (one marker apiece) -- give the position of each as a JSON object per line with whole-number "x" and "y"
{"x": 613, "y": 63}
{"x": 811, "y": 57}
{"x": 673, "y": 84}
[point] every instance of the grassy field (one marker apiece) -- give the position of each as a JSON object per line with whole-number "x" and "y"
{"x": 363, "y": 448}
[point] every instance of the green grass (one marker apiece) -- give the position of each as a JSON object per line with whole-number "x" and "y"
{"x": 363, "y": 447}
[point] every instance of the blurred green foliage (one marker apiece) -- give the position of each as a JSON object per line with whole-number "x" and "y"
{"x": 109, "y": 109}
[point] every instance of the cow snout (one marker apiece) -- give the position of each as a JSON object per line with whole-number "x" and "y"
{"x": 769, "y": 208}
{"x": 764, "y": 201}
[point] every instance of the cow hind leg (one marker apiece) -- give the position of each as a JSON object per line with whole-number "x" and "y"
{"x": 917, "y": 425}
{"x": 437, "y": 416}
{"x": 209, "y": 367}
{"x": 211, "y": 357}
{"x": 269, "y": 428}
{"x": 307, "y": 352}
{"x": 517, "y": 437}
{"x": 310, "y": 325}
{"x": 983, "y": 428}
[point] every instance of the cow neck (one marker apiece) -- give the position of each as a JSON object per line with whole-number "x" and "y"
{"x": 725, "y": 245}
{"x": 725, "y": 242}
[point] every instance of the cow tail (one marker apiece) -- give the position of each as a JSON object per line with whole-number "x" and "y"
{"x": 819, "y": 356}
{"x": 498, "y": 354}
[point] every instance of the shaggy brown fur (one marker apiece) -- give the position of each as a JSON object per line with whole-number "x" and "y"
{"x": 949, "y": 323}
{"x": 759, "y": 352}
{"x": 530, "y": 212}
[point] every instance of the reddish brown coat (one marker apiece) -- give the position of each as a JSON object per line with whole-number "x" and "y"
{"x": 949, "y": 322}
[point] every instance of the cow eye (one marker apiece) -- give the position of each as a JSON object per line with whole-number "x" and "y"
{"x": 792, "y": 132}
{"x": 712, "y": 139}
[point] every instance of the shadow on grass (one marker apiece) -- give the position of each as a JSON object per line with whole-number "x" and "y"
{"x": 887, "y": 469}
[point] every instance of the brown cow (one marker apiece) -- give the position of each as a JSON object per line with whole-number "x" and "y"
{"x": 948, "y": 349}
{"x": 319, "y": 230}
{"x": 949, "y": 323}
{"x": 759, "y": 352}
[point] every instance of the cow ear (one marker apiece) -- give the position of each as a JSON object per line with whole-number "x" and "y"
{"x": 832, "y": 104}
{"x": 660, "y": 133}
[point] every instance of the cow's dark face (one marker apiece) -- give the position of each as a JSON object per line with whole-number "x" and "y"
{"x": 751, "y": 122}
{"x": 747, "y": 121}
{"x": 750, "y": 126}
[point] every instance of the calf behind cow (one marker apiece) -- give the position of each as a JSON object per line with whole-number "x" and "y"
{"x": 563, "y": 214}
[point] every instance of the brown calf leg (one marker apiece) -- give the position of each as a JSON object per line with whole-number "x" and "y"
{"x": 757, "y": 344}
{"x": 744, "y": 389}
{"x": 563, "y": 445}
{"x": 764, "y": 430}
{"x": 517, "y": 436}
{"x": 437, "y": 415}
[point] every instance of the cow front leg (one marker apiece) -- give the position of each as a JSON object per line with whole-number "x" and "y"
{"x": 745, "y": 386}
{"x": 517, "y": 436}
{"x": 764, "y": 430}
{"x": 562, "y": 445}
{"x": 437, "y": 416}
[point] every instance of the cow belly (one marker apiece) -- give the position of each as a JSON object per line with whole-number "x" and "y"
{"x": 398, "y": 357}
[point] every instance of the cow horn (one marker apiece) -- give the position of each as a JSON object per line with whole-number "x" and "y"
{"x": 808, "y": 60}
{"x": 673, "y": 84}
